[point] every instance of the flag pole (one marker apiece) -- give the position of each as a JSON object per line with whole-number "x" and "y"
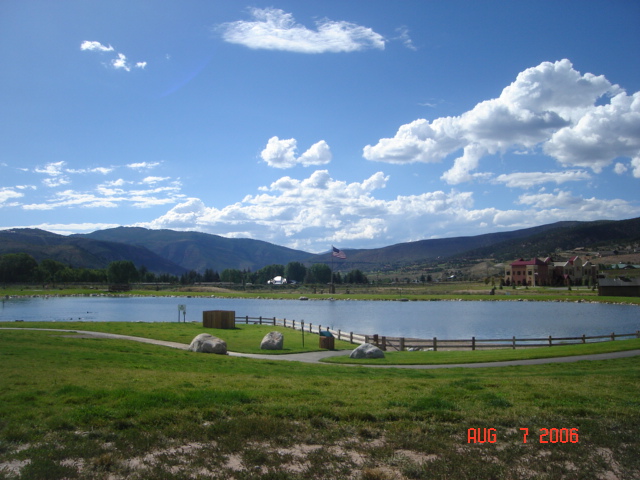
{"x": 332, "y": 289}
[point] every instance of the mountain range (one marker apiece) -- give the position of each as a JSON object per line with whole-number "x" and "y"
{"x": 176, "y": 252}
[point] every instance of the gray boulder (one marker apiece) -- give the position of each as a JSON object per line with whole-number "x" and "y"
{"x": 366, "y": 350}
{"x": 206, "y": 343}
{"x": 272, "y": 341}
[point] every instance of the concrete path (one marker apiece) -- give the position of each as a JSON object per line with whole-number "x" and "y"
{"x": 316, "y": 357}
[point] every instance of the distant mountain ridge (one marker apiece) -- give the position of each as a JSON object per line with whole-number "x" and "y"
{"x": 81, "y": 252}
{"x": 175, "y": 252}
{"x": 199, "y": 251}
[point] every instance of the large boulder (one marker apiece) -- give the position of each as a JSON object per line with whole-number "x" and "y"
{"x": 206, "y": 343}
{"x": 272, "y": 341}
{"x": 366, "y": 350}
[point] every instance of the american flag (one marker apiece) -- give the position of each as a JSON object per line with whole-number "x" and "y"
{"x": 338, "y": 253}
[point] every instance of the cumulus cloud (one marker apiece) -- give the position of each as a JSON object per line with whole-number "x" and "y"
{"x": 552, "y": 105}
{"x": 313, "y": 212}
{"x": 118, "y": 63}
{"x": 282, "y": 153}
{"x": 7, "y": 193}
{"x": 274, "y": 29}
{"x": 95, "y": 47}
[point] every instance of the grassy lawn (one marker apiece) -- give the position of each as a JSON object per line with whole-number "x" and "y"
{"x": 481, "y": 356}
{"x": 110, "y": 409}
{"x": 242, "y": 339}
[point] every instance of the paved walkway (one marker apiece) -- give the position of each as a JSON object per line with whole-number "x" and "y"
{"x": 316, "y": 357}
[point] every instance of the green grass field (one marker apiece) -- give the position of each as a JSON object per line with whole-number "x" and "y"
{"x": 108, "y": 409}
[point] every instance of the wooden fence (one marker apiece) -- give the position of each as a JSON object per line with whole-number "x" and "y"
{"x": 402, "y": 343}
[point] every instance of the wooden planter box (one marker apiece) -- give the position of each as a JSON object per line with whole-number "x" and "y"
{"x": 219, "y": 319}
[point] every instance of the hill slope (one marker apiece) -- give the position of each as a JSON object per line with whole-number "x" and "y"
{"x": 199, "y": 251}
{"x": 81, "y": 252}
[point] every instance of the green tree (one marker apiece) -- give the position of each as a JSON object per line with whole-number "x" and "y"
{"x": 232, "y": 275}
{"x": 318, "y": 273}
{"x": 17, "y": 267}
{"x": 48, "y": 269}
{"x": 122, "y": 271}
{"x": 295, "y": 271}
{"x": 356, "y": 276}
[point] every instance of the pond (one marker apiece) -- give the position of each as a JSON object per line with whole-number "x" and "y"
{"x": 442, "y": 319}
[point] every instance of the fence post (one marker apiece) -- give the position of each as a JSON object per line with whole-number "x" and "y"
{"x": 550, "y": 341}
{"x": 274, "y": 321}
{"x": 402, "y": 344}
{"x": 351, "y": 337}
{"x": 246, "y": 320}
{"x": 284, "y": 321}
{"x": 338, "y": 334}
{"x": 319, "y": 329}
{"x": 637, "y": 333}
{"x": 513, "y": 342}
{"x": 366, "y": 338}
{"x": 584, "y": 340}
{"x": 473, "y": 343}
{"x": 310, "y": 326}
{"x": 384, "y": 343}
{"x": 294, "y": 324}
{"x": 375, "y": 340}
{"x": 435, "y": 344}
{"x": 260, "y": 319}
{"x": 613, "y": 336}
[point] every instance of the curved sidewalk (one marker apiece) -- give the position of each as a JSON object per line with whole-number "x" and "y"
{"x": 316, "y": 357}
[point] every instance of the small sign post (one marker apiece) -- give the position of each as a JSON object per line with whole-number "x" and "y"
{"x": 182, "y": 308}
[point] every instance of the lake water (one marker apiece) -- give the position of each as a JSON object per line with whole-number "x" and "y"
{"x": 443, "y": 319}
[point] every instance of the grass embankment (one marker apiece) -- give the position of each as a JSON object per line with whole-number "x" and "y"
{"x": 81, "y": 408}
{"x": 437, "y": 292}
{"x": 243, "y": 338}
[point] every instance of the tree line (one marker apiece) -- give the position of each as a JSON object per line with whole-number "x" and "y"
{"x": 23, "y": 268}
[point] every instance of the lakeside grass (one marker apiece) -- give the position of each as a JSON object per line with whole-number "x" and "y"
{"x": 247, "y": 338}
{"x": 440, "y": 292}
{"x": 242, "y": 339}
{"x": 85, "y": 408}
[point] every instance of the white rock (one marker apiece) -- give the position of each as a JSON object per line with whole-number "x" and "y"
{"x": 206, "y": 343}
{"x": 366, "y": 350}
{"x": 272, "y": 341}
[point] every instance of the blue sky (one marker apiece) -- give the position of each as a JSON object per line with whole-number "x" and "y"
{"x": 359, "y": 124}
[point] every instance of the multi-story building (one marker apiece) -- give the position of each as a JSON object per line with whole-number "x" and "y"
{"x": 538, "y": 272}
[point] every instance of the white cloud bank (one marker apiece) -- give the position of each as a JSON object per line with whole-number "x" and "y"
{"x": 274, "y": 29}
{"x": 317, "y": 211}
{"x": 282, "y": 153}
{"x": 551, "y": 105}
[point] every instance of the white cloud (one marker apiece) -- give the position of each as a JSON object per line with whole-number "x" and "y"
{"x": 274, "y": 29}
{"x": 531, "y": 179}
{"x": 403, "y": 36}
{"x": 143, "y": 165}
{"x": 552, "y": 105}
{"x": 7, "y": 193}
{"x": 118, "y": 63}
{"x": 95, "y": 47}
{"x": 121, "y": 62}
{"x": 313, "y": 212}
{"x": 53, "y": 169}
{"x": 282, "y": 153}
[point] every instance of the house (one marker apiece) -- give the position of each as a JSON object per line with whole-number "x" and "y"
{"x": 538, "y": 272}
{"x": 619, "y": 287}
{"x": 528, "y": 272}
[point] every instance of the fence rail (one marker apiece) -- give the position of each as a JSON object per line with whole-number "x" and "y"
{"x": 402, "y": 343}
